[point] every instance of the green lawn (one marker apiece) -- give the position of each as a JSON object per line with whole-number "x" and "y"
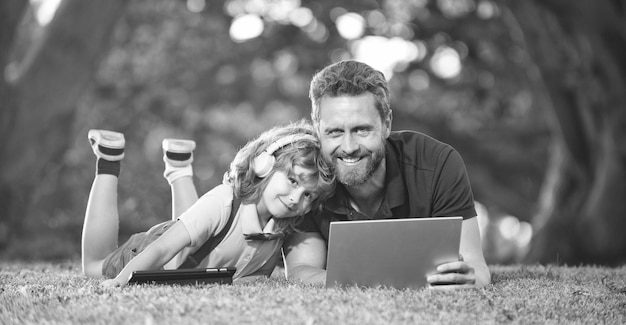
{"x": 58, "y": 293}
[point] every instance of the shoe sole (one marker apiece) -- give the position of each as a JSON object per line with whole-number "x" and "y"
{"x": 178, "y": 145}
{"x": 106, "y": 144}
{"x": 108, "y": 139}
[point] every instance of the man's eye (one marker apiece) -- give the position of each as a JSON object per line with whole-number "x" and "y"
{"x": 362, "y": 132}
{"x": 334, "y": 133}
{"x": 293, "y": 181}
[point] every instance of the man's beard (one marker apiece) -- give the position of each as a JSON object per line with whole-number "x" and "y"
{"x": 358, "y": 174}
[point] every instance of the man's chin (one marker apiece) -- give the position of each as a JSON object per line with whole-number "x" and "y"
{"x": 351, "y": 174}
{"x": 351, "y": 178}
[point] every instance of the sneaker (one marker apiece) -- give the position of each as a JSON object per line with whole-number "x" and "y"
{"x": 108, "y": 145}
{"x": 178, "y": 152}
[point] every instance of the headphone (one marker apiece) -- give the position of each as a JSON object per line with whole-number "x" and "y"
{"x": 263, "y": 163}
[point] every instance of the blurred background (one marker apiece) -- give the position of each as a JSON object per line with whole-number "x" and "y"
{"x": 531, "y": 93}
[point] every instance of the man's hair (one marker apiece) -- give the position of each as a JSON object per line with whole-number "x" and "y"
{"x": 303, "y": 152}
{"x": 349, "y": 78}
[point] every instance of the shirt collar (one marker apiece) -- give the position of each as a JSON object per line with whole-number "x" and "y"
{"x": 394, "y": 186}
{"x": 250, "y": 220}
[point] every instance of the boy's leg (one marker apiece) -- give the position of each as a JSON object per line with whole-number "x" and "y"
{"x": 101, "y": 225}
{"x": 178, "y": 156}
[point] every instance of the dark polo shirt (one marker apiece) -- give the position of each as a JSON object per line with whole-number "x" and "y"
{"x": 425, "y": 178}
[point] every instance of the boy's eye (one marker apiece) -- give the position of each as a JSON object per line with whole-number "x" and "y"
{"x": 310, "y": 196}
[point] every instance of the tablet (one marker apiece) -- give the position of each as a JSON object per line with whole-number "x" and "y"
{"x": 221, "y": 275}
{"x": 397, "y": 253}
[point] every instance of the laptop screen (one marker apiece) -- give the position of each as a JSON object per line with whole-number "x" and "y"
{"x": 398, "y": 253}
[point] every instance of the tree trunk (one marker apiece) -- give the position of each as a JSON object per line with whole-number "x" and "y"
{"x": 41, "y": 99}
{"x": 579, "y": 49}
{"x": 11, "y": 12}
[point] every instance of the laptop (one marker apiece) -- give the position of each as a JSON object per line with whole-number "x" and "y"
{"x": 396, "y": 253}
{"x": 222, "y": 275}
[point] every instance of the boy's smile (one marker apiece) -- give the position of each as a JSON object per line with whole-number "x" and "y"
{"x": 287, "y": 196}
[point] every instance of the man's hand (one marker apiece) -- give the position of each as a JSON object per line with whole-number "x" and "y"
{"x": 471, "y": 270}
{"x": 452, "y": 275}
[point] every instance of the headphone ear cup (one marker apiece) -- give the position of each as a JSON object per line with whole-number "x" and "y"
{"x": 263, "y": 163}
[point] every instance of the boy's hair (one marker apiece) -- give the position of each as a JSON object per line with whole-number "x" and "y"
{"x": 303, "y": 152}
{"x": 349, "y": 78}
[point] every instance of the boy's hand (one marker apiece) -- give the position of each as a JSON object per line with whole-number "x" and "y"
{"x": 111, "y": 283}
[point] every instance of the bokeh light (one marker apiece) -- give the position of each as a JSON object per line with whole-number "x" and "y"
{"x": 196, "y": 5}
{"x": 45, "y": 10}
{"x": 513, "y": 229}
{"x": 446, "y": 63}
{"x": 350, "y": 25}
{"x": 246, "y": 27}
{"x": 384, "y": 54}
{"x": 486, "y": 10}
{"x": 301, "y": 17}
{"x": 456, "y": 8}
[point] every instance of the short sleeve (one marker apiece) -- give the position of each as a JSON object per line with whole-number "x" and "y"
{"x": 452, "y": 192}
{"x": 209, "y": 215}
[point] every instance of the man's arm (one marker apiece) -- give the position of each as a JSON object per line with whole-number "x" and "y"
{"x": 471, "y": 270}
{"x": 305, "y": 257}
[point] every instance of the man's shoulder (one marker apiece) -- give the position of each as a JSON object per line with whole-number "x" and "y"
{"x": 413, "y": 145}
{"x": 416, "y": 138}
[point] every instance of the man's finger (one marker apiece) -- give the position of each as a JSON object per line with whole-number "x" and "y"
{"x": 450, "y": 278}
{"x": 457, "y": 267}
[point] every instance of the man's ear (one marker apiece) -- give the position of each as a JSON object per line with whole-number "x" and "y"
{"x": 387, "y": 124}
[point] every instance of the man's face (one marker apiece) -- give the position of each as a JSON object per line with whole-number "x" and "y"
{"x": 353, "y": 136}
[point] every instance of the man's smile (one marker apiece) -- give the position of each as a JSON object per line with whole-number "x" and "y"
{"x": 350, "y": 161}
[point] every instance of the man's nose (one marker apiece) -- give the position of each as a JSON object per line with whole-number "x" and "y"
{"x": 348, "y": 144}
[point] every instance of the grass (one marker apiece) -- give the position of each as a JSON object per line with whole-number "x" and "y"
{"x": 58, "y": 293}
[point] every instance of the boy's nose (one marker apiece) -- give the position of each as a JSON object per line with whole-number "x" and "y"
{"x": 295, "y": 195}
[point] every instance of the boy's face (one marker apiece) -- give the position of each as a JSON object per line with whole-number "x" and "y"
{"x": 352, "y": 136}
{"x": 288, "y": 195}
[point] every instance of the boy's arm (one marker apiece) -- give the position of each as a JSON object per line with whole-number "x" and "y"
{"x": 305, "y": 257}
{"x": 155, "y": 255}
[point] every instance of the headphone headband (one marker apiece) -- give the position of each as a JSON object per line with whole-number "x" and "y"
{"x": 263, "y": 163}
{"x": 286, "y": 140}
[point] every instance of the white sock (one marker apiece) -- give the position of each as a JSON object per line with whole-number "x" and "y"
{"x": 172, "y": 173}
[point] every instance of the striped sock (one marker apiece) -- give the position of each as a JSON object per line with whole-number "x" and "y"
{"x": 108, "y": 167}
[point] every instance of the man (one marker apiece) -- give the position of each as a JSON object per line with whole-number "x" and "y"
{"x": 382, "y": 174}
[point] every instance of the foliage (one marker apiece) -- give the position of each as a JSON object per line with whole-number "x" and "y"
{"x": 57, "y": 293}
{"x": 171, "y": 72}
